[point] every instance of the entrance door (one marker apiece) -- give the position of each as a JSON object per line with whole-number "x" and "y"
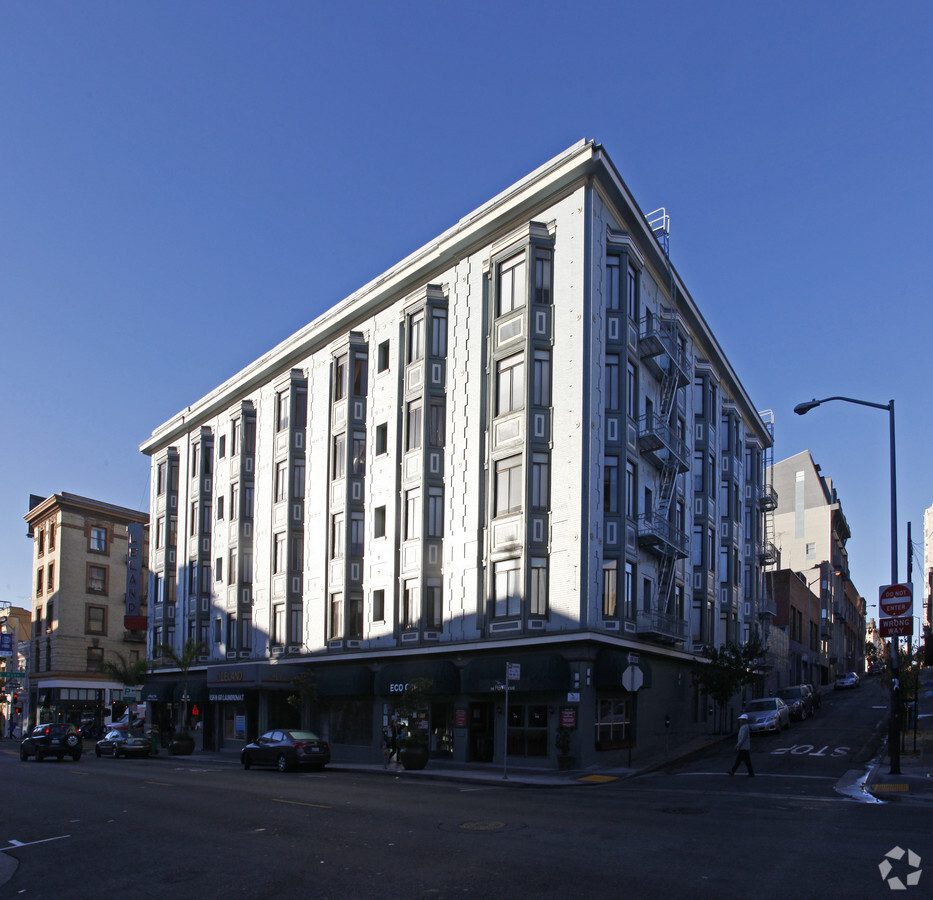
{"x": 482, "y": 732}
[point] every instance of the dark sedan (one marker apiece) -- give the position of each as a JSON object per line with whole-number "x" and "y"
{"x": 121, "y": 742}
{"x": 286, "y": 750}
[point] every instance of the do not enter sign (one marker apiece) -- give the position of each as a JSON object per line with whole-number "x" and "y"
{"x": 896, "y": 600}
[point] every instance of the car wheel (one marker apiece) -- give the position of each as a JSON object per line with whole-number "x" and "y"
{"x": 72, "y": 740}
{"x": 39, "y": 755}
{"x": 282, "y": 763}
{"x": 803, "y": 714}
{"x": 116, "y": 752}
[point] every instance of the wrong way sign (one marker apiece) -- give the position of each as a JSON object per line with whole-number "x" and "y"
{"x": 895, "y": 600}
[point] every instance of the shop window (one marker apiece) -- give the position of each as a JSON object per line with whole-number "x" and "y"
{"x": 528, "y": 730}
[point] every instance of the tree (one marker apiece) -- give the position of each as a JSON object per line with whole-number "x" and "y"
{"x": 184, "y": 661}
{"x": 727, "y": 669}
{"x": 132, "y": 674}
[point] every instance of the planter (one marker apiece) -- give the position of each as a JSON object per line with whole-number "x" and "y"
{"x": 413, "y": 756}
{"x": 564, "y": 762}
{"x": 181, "y": 746}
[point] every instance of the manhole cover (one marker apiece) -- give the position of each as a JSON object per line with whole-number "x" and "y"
{"x": 482, "y": 826}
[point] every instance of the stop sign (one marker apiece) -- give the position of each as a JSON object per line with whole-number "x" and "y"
{"x": 896, "y": 599}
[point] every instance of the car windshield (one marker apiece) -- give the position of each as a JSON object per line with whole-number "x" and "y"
{"x": 303, "y": 736}
{"x": 761, "y": 706}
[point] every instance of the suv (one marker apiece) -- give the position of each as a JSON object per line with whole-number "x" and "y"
{"x": 798, "y": 699}
{"x": 58, "y": 740}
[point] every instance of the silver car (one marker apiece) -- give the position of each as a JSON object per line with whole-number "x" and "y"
{"x": 767, "y": 714}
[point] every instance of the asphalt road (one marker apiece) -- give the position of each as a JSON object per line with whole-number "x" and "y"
{"x": 171, "y": 827}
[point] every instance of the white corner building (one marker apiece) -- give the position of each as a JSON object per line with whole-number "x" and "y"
{"x": 522, "y": 444}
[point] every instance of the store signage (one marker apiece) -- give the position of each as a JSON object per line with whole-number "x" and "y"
{"x": 133, "y": 618}
{"x": 227, "y": 698}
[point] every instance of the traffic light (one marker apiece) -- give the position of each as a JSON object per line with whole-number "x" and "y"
{"x": 16, "y": 704}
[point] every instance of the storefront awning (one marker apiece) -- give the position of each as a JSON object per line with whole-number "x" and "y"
{"x": 252, "y": 676}
{"x": 197, "y": 691}
{"x": 158, "y": 692}
{"x": 343, "y": 681}
{"x": 392, "y": 678}
{"x": 539, "y": 672}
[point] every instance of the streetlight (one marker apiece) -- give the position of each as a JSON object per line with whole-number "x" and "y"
{"x": 894, "y": 739}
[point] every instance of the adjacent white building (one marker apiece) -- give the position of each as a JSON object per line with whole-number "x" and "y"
{"x": 522, "y": 444}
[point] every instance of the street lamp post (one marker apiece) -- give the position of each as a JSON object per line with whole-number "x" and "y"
{"x": 894, "y": 729}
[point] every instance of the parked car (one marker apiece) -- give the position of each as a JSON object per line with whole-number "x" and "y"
{"x": 798, "y": 699}
{"x": 122, "y": 742}
{"x": 848, "y": 680}
{"x": 817, "y": 696}
{"x": 767, "y": 714}
{"x": 286, "y": 749}
{"x": 58, "y": 740}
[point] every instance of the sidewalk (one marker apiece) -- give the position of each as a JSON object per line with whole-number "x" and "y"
{"x": 915, "y": 781}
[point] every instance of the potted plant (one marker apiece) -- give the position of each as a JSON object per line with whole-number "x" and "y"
{"x": 183, "y": 741}
{"x": 562, "y": 742}
{"x": 413, "y": 743}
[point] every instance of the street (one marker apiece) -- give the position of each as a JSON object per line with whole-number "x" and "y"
{"x": 179, "y": 827}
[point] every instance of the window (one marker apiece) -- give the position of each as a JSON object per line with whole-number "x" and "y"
{"x": 433, "y": 605}
{"x": 95, "y": 621}
{"x": 40, "y": 541}
{"x": 206, "y": 520}
{"x": 235, "y": 437}
{"x": 506, "y": 597}
{"x": 631, "y": 376}
{"x": 51, "y": 535}
{"x": 613, "y": 386}
{"x": 613, "y": 286}
{"x": 358, "y": 455}
{"x": 195, "y": 460}
{"x": 356, "y": 534}
{"x": 437, "y": 424}
{"x": 280, "y": 563}
{"x": 219, "y": 569}
{"x": 510, "y": 385}
{"x": 811, "y": 551}
{"x": 248, "y": 500}
{"x": 379, "y": 606}
{"x": 508, "y": 485}
{"x": 540, "y": 467}
{"x": 222, "y": 446}
{"x": 50, "y": 579}
{"x": 281, "y": 410}
{"x": 355, "y": 616}
{"x": 383, "y": 361}
{"x": 172, "y": 531}
{"x": 611, "y": 484}
{"x": 233, "y": 571}
{"x": 512, "y": 284}
{"x": 632, "y": 293}
{"x": 160, "y": 477}
{"x": 298, "y": 479}
{"x": 630, "y": 489}
{"x": 95, "y": 659}
{"x": 610, "y": 587}
{"x": 297, "y": 552}
{"x": 300, "y": 407}
{"x": 379, "y": 521}
{"x": 278, "y": 624}
{"x": 340, "y": 378}
{"x": 193, "y": 520}
{"x": 336, "y": 615}
{"x": 629, "y": 590}
{"x": 411, "y": 603}
{"x": 612, "y": 723}
{"x": 542, "y": 276}
{"x": 281, "y": 480}
{"x": 294, "y": 625}
{"x": 537, "y": 590}
{"x": 40, "y": 581}
{"x": 360, "y": 373}
{"x": 435, "y": 512}
{"x": 98, "y": 539}
{"x": 541, "y": 379}
{"x": 414, "y": 418}
{"x": 96, "y": 580}
{"x": 220, "y": 507}
{"x": 416, "y": 337}
{"x": 338, "y": 526}
{"x": 412, "y": 515}
{"x": 49, "y": 616}
{"x": 382, "y": 439}
{"x": 340, "y": 456}
{"x": 439, "y": 332}
{"x": 246, "y": 560}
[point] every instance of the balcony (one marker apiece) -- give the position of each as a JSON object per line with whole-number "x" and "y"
{"x": 766, "y": 607}
{"x": 767, "y": 499}
{"x": 660, "y": 444}
{"x": 661, "y": 628}
{"x": 659, "y": 337}
{"x": 657, "y": 534}
{"x": 767, "y": 553}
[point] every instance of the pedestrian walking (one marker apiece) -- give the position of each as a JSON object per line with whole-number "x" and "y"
{"x": 743, "y": 746}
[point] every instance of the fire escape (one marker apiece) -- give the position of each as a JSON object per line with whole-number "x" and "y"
{"x": 663, "y": 352}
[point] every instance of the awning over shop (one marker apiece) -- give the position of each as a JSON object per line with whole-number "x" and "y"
{"x": 392, "y": 678}
{"x": 343, "y": 681}
{"x": 158, "y": 692}
{"x": 539, "y": 672}
{"x": 197, "y": 691}
{"x": 610, "y": 666}
{"x": 252, "y": 676}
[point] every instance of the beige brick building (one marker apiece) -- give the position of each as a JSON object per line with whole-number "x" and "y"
{"x": 80, "y": 555}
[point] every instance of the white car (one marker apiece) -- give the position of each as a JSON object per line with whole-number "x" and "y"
{"x": 849, "y": 680}
{"x": 767, "y": 714}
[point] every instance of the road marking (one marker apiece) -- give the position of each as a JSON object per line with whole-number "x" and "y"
{"x": 15, "y": 845}
{"x": 160, "y": 783}
{"x": 299, "y": 803}
{"x": 80, "y": 773}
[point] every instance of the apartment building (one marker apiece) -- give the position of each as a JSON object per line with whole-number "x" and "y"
{"x": 518, "y": 464}
{"x": 80, "y": 617}
{"x": 811, "y": 532}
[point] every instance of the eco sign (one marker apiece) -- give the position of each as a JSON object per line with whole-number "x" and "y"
{"x": 896, "y": 600}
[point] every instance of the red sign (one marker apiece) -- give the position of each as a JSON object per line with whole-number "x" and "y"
{"x": 460, "y": 718}
{"x": 568, "y": 717}
{"x": 895, "y": 627}
{"x": 896, "y": 599}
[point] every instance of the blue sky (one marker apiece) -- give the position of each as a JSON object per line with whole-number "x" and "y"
{"x": 182, "y": 186}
